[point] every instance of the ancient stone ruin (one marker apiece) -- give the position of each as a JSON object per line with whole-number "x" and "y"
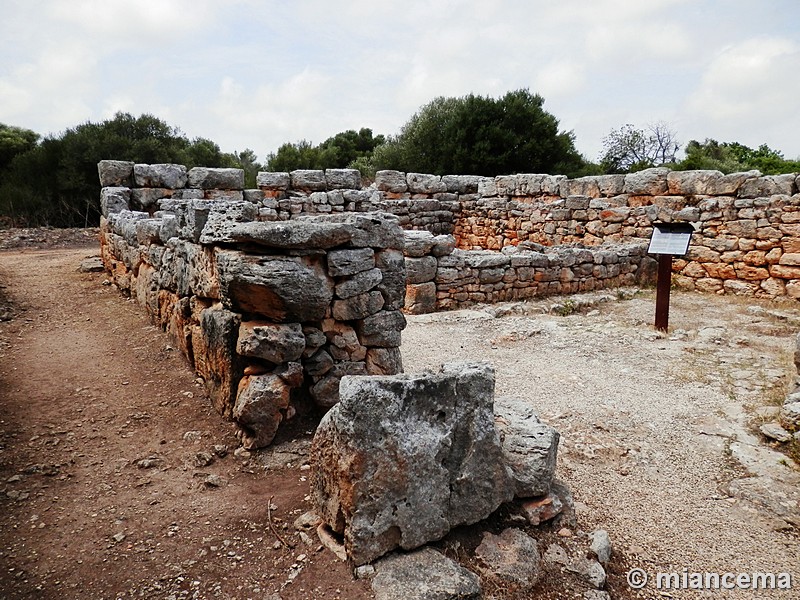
{"x": 292, "y": 295}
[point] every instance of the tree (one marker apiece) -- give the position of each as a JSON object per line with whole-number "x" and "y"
{"x": 630, "y": 149}
{"x": 479, "y": 135}
{"x": 337, "y": 152}
{"x": 730, "y": 157}
{"x": 15, "y": 141}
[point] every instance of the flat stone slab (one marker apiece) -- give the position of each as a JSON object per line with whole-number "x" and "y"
{"x": 423, "y": 575}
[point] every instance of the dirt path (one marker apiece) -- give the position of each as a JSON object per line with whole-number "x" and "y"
{"x": 116, "y": 478}
{"x": 118, "y": 481}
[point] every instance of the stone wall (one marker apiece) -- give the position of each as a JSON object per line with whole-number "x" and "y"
{"x": 442, "y": 277}
{"x": 271, "y": 314}
{"x": 748, "y": 226}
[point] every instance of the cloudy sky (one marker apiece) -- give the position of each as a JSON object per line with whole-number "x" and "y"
{"x": 257, "y": 73}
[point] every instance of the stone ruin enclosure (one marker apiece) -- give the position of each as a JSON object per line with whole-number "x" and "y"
{"x": 285, "y": 297}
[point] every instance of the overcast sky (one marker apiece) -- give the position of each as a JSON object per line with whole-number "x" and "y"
{"x": 254, "y": 74}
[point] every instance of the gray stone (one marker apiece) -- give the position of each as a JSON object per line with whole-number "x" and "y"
{"x": 556, "y": 554}
{"x": 254, "y": 196}
{"x": 282, "y": 288}
{"x": 512, "y": 557}
{"x": 461, "y": 184}
{"x": 350, "y": 261}
{"x": 384, "y": 361}
{"x": 343, "y": 179}
{"x": 650, "y": 182}
{"x": 92, "y": 265}
{"x": 148, "y": 231}
{"x": 768, "y": 185}
{"x": 319, "y": 364}
{"x": 372, "y": 229}
{"x": 359, "y": 283}
{"x": 357, "y": 307}
{"x": 272, "y": 181}
{"x": 260, "y": 407}
{"x": 325, "y": 392}
{"x": 115, "y": 173}
{"x": 215, "y": 357}
{"x": 223, "y": 218}
{"x": 207, "y": 178}
{"x": 292, "y": 234}
{"x": 273, "y": 342}
{"x": 393, "y": 285}
{"x": 401, "y": 460}
{"x": 530, "y": 447}
{"x": 420, "y": 183}
{"x": 418, "y": 243}
{"x": 312, "y": 180}
{"x": 423, "y": 575}
{"x": 114, "y": 200}
{"x": 596, "y": 595}
{"x": 591, "y": 571}
{"x": 775, "y": 432}
{"x": 160, "y": 176}
{"x": 600, "y": 545}
{"x": 790, "y": 415}
{"x": 382, "y": 329}
{"x": 391, "y": 181}
{"x": 443, "y": 245}
{"x": 693, "y": 183}
{"x": 421, "y": 270}
{"x": 486, "y": 259}
{"x": 145, "y": 198}
{"x": 169, "y": 228}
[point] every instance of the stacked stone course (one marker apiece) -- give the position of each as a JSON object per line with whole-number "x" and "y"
{"x": 270, "y": 314}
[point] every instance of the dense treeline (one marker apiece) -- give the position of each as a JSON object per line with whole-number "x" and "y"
{"x": 53, "y": 181}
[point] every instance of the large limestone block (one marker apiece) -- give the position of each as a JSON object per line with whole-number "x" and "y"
{"x": 693, "y": 183}
{"x": 114, "y": 200}
{"x": 276, "y": 343}
{"x": 391, "y": 181}
{"x": 401, "y": 460}
{"x": 261, "y": 403}
{"x": 649, "y": 182}
{"x": 223, "y": 218}
{"x": 215, "y": 356}
{"x": 421, "y": 270}
{"x": 424, "y": 575}
{"x": 292, "y": 235}
{"x": 393, "y": 285}
{"x": 530, "y": 447}
{"x": 312, "y": 180}
{"x": 370, "y": 229}
{"x": 282, "y": 288}
{"x": 343, "y": 179}
{"x": 115, "y": 173}
{"x": 160, "y": 176}
{"x": 206, "y": 178}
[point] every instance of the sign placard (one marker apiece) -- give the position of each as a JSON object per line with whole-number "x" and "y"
{"x": 670, "y": 238}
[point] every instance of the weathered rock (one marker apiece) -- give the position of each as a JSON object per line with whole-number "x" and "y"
{"x": 652, "y": 182}
{"x": 215, "y": 357}
{"x": 292, "y": 234}
{"x": 418, "y": 243}
{"x": 282, "y": 288}
{"x": 271, "y": 341}
{"x": 600, "y": 545}
{"x": 391, "y": 181}
{"x": 272, "y": 181}
{"x": 693, "y": 183}
{"x": 357, "y": 307}
{"x": 401, "y": 460}
{"x": 512, "y": 557}
{"x": 420, "y": 183}
{"x": 790, "y": 416}
{"x": 393, "y": 285}
{"x": 261, "y": 404}
{"x": 384, "y": 361}
{"x": 92, "y": 265}
{"x": 421, "y": 270}
{"x": 775, "y": 432}
{"x": 223, "y": 218}
{"x": 359, "y": 283}
{"x": 423, "y": 575}
{"x": 596, "y": 595}
{"x": 382, "y": 329}
{"x": 160, "y": 176}
{"x": 115, "y": 173}
{"x": 206, "y": 178}
{"x": 325, "y": 392}
{"x": 343, "y": 179}
{"x": 443, "y": 245}
{"x": 530, "y": 447}
{"x": 371, "y": 229}
{"x": 591, "y": 571}
{"x": 318, "y": 364}
{"x": 312, "y": 180}
{"x": 542, "y": 509}
{"x": 421, "y": 298}
{"x": 350, "y": 261}
{"x": 114, "y": 200}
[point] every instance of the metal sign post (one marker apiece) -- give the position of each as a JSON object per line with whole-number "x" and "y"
{"x": 668, "y": 240}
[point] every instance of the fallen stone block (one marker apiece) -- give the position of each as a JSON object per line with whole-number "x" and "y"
{"x": 401, "y": 460}
{"x": 423, "y": 575}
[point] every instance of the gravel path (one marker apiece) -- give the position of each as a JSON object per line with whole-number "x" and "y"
{"x": 648, "y": 422}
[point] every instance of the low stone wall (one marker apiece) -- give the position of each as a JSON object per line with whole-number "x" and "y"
{"x": 441, "y": 277}
{"x": 748, "y": 226}
{"x": 271, "y": 315}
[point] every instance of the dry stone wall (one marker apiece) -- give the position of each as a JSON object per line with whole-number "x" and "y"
{"x": 747, "y": 240}
{"x": 271, "y": 314}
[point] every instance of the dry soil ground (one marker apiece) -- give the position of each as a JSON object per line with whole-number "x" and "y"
{"x": 117, "y": 480}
